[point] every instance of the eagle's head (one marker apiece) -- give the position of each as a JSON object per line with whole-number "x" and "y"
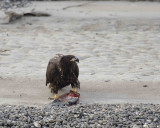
{"x": 73, "y": 58}
{"x": 70, "y": 58}
{"x": 67, "y": 63}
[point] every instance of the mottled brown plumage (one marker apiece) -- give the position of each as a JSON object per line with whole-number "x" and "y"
{"x": 62, "y": 70}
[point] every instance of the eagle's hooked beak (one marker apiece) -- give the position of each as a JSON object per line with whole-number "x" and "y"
{"x": 75, "y": 59}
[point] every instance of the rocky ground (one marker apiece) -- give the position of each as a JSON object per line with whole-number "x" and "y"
{"x": 84, "y": 116}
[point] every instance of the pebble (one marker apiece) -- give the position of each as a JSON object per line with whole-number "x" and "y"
{"x": 155, "y": 119}
{"x": 37, "y": 125}
{"x": 99, "y": 126}
{"x": 81, "y": 115}
{"x": 145, "y": 126}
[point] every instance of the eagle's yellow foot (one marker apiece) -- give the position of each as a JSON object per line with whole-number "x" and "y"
{"x": 74, "y": 90}
{"x": 53, "y": 98}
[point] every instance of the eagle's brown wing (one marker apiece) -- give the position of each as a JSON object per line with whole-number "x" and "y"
{"x": 52, "y": 68}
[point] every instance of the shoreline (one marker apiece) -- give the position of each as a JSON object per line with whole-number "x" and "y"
{"x": 34, "y": 92}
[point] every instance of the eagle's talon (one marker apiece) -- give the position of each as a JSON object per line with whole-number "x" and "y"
{"x": 74, "y": 90}
{"x": 53, "y": 98}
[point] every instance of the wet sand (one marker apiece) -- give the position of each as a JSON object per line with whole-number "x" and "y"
{"x": 34, "y": 92}
{"x": 116, "y": 42}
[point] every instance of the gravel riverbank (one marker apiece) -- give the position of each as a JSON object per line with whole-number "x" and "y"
{"x": 82, "y": 115}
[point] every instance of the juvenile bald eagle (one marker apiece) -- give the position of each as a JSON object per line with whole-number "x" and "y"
{"x": 62, "y": 70}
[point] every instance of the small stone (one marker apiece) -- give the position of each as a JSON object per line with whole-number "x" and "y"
{"x": 135, "y": 126}
{"x": 91, "y": 116}
{"x": 64, "y": 122}
{"x": 56, "y": 126}
{"x": 9, "y": 123}
{"x": 25, "y": 119}
{"x": 99, "y": 126}
{"x": 28, "y": 119}
{"x": 80, "y": 115}
{"x": 41, "y": 122}
{"x": 153, "y": 126}
{"x": 37, "y": 125}
{"x": 145, "y": 126}
{"x": 51, "y": 121}
{"x": 149, "y": 121}
{"x": 59, "y": 121}
{"x": 75, "y": 116}
{"x": 100, "y": 122}
{"x": 26, "y": 125}
{"x": 155, "y": 119}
